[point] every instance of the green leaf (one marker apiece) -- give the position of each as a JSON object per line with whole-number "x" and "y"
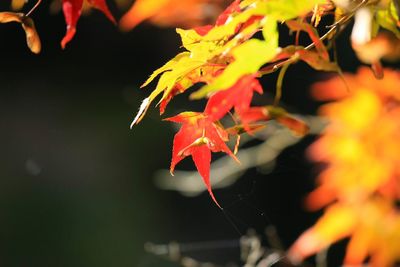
{"x": 283, "y": 10}
{"x": 270, "y": 31}
{"x": 218, "y": 40}
{"x": 388, "y": 19}
{"x": 249, "y": 57}
{"x": 172, "y": 72}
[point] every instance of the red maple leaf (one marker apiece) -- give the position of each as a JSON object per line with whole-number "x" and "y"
{"x": 229, "y": 12}
{"x": 238, "y": 96}
{"x": 198, "y": 137}
{"x": 231, "y": 9}
{"x": 72, "y": 11}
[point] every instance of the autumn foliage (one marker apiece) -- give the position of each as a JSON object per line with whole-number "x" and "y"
{"x": 360, "y": 186}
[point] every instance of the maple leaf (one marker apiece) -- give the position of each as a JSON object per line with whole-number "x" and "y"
{"x": 211, "y": 50}
{"x": 247, "y": 61}
{"x": 201, "y": 63}
{"x": 203, "y": 74}
{"x": 238, "y": 96}
{"x": 198, "y": 137}
{"x": 173, "y": 80}
{"x": 250, "y": 55}
{"x": 222, "y": 18}
{"x": 72, "y": 11}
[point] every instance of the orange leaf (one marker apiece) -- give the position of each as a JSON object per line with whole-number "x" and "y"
{"x": 187, "y": 14}
{"x": 141, "y": 10}
{"x": 337, "y": 222}
{"x": 32, "y": 37}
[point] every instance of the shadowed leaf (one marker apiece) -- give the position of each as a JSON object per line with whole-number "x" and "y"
{"x": 32, "y": 37}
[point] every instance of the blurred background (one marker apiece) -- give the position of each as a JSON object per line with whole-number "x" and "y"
{"x": 76, "y": 184}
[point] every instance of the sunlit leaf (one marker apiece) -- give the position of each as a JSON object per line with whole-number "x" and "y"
{"x": 249, "y": 57}
{"x": 389, "y": 18}
{"x": 337, "y": 222}
{"x": 360, "y": 149}
{"x": 198, "y": 137}
{"x": 283, "y": 10}
{"x": 172, "y": 72}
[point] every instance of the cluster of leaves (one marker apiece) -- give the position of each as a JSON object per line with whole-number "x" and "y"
{"x": 361, "y": 184}
{"x": 230, "y": 56}
{"x": 228, "y": 59}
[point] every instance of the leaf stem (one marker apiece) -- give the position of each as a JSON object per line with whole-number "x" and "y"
{"x": 279, "y": 82}
{"x": 275, "y": 67}
{"x": 33, "y": 8}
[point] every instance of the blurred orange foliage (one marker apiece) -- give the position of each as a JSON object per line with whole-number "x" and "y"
{"x": 175, "y": 13}
{"x": 361, "y": 183}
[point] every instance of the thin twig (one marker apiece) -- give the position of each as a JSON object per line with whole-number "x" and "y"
{"x": 279, "y": 82}
{"x": 33, "y": 8}
{"x": 347, "y": 17}
{"x": 332, "y": 28}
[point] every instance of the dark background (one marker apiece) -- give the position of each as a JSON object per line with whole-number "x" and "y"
{"x": 76, "y": 184}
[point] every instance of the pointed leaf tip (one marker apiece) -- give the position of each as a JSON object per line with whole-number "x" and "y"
{"x": 32, "y": 37}
{"x": 142, "y": 110}
{"x": 72, "y": 11}
{"x": 102, "y": 6}
{"x": 202, "y": 159}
